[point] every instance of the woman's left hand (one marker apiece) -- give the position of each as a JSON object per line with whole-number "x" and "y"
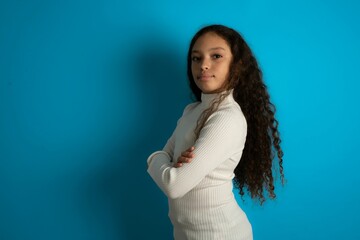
{"x": 185, "y": 157}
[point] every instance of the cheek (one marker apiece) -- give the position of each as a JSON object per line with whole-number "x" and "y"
{"x": 226, "y": 68}
{"x": 193, "y": 69}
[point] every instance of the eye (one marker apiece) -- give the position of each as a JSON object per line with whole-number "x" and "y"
{"x": 195, "y": 58}
{"x": 216, "y": 56}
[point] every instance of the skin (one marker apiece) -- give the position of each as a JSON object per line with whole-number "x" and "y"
{"x": 211, "y": 59}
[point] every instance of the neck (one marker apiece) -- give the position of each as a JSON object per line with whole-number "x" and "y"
{"x": 208, "y": 98}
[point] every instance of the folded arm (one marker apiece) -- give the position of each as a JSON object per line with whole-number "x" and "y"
{"x": 223, "y": 135}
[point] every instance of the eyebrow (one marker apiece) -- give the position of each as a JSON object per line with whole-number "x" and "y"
{"x": 210, "y": 49}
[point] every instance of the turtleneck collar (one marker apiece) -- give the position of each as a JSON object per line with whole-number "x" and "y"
{"x": 207, "y": 98}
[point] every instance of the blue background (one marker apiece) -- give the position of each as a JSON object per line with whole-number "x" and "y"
{"x": 88, "y": 89}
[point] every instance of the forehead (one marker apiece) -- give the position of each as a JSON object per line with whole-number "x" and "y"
{"x": 210, "y": 41}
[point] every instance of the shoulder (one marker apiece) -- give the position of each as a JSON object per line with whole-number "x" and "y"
{"x": 230, "y": 115}
{"x": 227, "y": 125}
{"x": 231, "y": 111}
{"x": 188, "y": 108}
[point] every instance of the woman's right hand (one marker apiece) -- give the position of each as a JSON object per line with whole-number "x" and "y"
{"x": 185, "y": 157}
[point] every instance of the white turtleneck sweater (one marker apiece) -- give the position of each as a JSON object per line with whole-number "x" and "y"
{"x": 201, "y": 201}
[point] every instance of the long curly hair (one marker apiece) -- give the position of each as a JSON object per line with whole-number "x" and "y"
{"x": 255, "y": 170}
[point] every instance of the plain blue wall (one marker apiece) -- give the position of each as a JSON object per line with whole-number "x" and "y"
{"x": 88, "y": 89}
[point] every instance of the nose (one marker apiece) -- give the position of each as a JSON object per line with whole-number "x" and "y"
{"x": 205, "y": 65}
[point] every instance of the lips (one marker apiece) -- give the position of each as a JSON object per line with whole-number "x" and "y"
{"x": 205, "y": 77}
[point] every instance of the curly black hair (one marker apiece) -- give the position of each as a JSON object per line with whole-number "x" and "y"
{"x": 256, "y": 167}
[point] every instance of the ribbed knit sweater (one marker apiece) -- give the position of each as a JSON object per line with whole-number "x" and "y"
{"x": 201, "y": 201}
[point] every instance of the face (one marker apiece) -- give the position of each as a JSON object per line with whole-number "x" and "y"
{"x": 211, "y": 58}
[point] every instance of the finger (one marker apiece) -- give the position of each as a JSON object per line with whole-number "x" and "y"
{"x": 187, "y": 153}
{"x": 178, "y": 164}
{"x": 184, "y": 160}
{"x": 187, "y": 160}
{"x": 181, "y": 159}
{"x": 190, "y": 149}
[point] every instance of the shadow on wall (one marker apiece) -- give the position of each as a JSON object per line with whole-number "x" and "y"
{"x": 138, "y": 209}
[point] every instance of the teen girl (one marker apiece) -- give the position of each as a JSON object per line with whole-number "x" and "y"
{"x": 229, "y": 134}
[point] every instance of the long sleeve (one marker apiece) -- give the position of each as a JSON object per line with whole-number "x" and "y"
{"x": 167, "y": 153}
{"x": 222, "y": 136}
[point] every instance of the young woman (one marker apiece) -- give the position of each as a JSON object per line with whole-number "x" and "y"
{"x": 229, "y": 133}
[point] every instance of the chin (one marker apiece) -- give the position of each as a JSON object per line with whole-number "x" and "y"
{"x": 209, "y": 91}
{"x": 204, "y": 89}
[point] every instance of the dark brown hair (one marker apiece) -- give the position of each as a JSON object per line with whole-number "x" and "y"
{"x": 255, "y": 169}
